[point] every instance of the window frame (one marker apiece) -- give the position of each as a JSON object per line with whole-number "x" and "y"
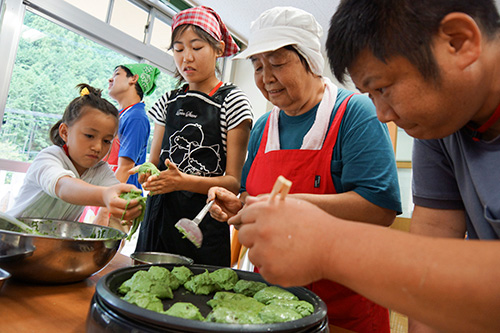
{"x": 12, "y": 13}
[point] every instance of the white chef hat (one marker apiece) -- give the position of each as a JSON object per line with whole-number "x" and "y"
{"x": 281, "y": 26}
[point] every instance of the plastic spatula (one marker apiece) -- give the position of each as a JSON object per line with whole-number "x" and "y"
{"x": 190, "y": 228}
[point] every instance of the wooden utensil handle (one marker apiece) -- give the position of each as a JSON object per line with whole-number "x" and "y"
{"x": 282, "y": 187}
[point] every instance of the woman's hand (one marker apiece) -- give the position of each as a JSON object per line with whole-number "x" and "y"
{"x": 117, "y": 206}
{"x": 226, "y": 204}
{"x": 168, "y": 181}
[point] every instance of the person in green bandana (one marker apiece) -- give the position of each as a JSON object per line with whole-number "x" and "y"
{"x": 128, "y": 85}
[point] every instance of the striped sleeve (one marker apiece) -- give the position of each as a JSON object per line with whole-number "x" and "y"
{"x": 237, "y": 107}
{"x": 158, "y": 111}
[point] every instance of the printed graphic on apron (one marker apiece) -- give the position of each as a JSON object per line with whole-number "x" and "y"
{"x": 190, "y": 155}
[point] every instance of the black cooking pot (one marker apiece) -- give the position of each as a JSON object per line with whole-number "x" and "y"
{"x": 109, "y": 313}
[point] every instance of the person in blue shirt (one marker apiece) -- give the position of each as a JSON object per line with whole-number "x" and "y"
{"x": 128, "y": 85}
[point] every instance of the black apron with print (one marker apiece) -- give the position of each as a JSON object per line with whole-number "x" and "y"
{"x": 193, "y": 141}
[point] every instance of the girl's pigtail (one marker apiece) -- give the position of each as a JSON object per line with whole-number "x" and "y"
{"x": 54, "y": 134}
{"x": 87, "y": 90}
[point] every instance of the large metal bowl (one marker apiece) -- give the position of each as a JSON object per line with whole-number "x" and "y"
{"x": 65, "y": 252}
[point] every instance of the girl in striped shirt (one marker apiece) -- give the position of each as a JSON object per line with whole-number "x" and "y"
{"x": 200, "y": 138}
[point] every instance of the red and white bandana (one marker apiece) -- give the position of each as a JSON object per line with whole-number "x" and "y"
{"x": 207, "y": 19}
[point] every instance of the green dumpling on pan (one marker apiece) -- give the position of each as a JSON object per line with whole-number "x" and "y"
{"x": 248, "y": 288}
{"x": 163, "y": 275}
{"x": 185, "y": 310}
{"x": 276, "y": 314}
{"x": 144, "y": 300}
{"x": 224, "y": 278}
{"x": 201, "y": 284}
{"x": 232, "y": 308}
{"x": 231, "y": 315}
{"x": 273, "y": 292}
{"x": 229, "y": 299}
{"x": 302, "y": 307}
{"x": 144, "y": 282}
{"x": 182, "y": 273}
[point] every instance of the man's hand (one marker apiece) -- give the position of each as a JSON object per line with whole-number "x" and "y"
{"x": 285, "y": 239}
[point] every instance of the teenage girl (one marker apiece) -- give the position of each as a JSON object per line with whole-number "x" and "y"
{"x": 200, "y": 138}
{"x": 65, "y": 177}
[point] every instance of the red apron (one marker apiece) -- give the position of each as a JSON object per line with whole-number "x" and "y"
{"x": 310, "y": 172}
{"x": 112, "y": 157}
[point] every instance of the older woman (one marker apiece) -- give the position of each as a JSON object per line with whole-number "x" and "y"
{"x": 325, "y": 139}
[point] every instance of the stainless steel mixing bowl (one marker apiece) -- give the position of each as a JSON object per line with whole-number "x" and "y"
{"x": 65, "y": 252}
{"x": 141, "y": 258}
{"x": 4, "y": 276}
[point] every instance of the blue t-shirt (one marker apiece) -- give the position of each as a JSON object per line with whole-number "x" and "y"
{"x": 133, "y": 131}
{"x": 363, "y": 159}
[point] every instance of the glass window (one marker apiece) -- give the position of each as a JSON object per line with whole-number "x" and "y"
{"x": 160, "y": 36}
{"x": 129, "y": 18}
{"x": 404, "y": 146}
{"x": 96, "y": 8}
{"x": 50, "y": 62}
{"x": 404, "y": 178}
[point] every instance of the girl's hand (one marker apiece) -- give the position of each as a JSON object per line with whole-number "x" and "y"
{"x": 117, "y": 206}
{"x": 168, "y": 181}
{"x": 142, "y": 177}
{"x": 226, "y": 204}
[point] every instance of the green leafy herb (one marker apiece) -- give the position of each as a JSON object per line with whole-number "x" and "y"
{"x": 150, "y": 168}
{"x": 142, "y": 201}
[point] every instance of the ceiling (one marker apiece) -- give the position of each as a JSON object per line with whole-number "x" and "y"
{"x": 239, "y": 14}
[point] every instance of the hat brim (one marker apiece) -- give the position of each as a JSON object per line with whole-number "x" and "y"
{"x": 262, "y": 47}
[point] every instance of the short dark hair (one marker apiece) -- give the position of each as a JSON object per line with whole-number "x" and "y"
{"x": 404, "y": 28}
{"x": 77, "y": 107}
{"x": 138, "y": 88}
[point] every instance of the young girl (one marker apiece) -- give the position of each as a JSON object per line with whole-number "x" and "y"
{"x": 65, "y": 177}
{"x": 200, "y": 139}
